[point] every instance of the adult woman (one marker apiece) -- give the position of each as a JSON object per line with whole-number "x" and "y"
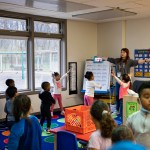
{"x": 123, "y": 65}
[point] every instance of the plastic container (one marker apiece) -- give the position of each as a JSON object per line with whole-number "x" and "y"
{"x": 78, "y": 119}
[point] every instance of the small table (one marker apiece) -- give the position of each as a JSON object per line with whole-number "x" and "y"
{"x": 79, "y": 136}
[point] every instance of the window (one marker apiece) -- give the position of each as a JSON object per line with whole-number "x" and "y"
{"x": 47, "y": 59}
{"x": 45, "y": 27}
{"x": 13, "y": 62}
{"x": 30, "y": 56}
{"x": 12, "y": 24}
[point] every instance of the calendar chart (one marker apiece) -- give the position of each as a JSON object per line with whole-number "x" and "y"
{"x": 142, "y": 70}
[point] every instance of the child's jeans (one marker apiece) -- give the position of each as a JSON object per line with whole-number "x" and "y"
{"x": 59, "y": 98}
{"x": 88, "y": 101}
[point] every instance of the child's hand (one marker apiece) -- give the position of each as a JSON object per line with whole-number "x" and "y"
{"x": 112, "y": 73}
{"x": 68, "y": 71}
{"x": 52, "y": 75}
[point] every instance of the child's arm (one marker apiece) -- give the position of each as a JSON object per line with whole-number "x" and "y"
{"x": 52, "y": 99}
{"x": 97, "y": 85}
{"x": 53, "y": 79}
{"x": 124, "y": 85}
{"x": 65, "y": 75}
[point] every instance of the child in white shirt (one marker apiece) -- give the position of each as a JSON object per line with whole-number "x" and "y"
{"x": 101, "y": 138}
{"x": 57, "y": 90}
{"x": 90, "y": 87}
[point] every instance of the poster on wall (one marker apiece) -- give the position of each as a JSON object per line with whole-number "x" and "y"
{"x": 72, "y": 78}
{"x": 142, "y": 70}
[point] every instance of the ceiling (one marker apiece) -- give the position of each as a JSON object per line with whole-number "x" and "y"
{"x": 89, "y": 10}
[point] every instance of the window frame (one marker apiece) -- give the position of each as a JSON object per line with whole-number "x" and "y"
{"x": 30, "y": 34}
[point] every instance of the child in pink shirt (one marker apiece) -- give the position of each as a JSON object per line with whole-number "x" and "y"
{"x": 125, "y": 84}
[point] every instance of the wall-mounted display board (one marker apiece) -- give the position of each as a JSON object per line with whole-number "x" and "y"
{"x": 72, "y": 78}
{"x": 142, "y": 70}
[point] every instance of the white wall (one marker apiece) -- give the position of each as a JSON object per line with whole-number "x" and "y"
{"x": 138, "y": 36}
{"x": 81, "y": 45}
{"x": 110, "y": 39}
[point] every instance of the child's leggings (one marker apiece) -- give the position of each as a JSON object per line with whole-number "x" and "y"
{"x": 59, "y": 98}
{"x": 88, "y": 101}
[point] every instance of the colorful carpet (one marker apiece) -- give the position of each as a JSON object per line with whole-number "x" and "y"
{"x": 47, "y": 139}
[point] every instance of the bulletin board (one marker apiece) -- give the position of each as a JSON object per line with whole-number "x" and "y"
{"x": 102, "y": 73}
{"x": 72, "y": 78}
{"x": 142, "y": 70}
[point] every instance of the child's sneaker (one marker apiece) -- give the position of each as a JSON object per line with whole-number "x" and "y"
{"x": 48, "y": 131}
{"x": 62, "y": 113}
{"x": 52, "y": 114}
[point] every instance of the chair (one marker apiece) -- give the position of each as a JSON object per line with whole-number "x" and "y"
{"x": 66, "y": 141}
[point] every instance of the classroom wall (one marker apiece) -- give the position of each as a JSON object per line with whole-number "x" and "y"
{"x": 133, "y": 34}
{"x": 81, "y": 45}
{"x": 109, "y": 38}
{"x": 138, "y": 36}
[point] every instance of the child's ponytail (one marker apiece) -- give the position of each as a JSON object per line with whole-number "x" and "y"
{"x": 107, "y": 124}
{"x": 100, "y": 112}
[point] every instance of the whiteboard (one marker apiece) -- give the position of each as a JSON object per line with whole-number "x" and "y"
{"x": 101, "y": 71}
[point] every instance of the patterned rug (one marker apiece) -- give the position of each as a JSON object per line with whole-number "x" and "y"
{"x": 47, "y": 139}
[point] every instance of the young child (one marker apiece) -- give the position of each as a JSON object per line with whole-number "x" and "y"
{"x": 57, "y": 90}
{"x": 122, "y": 133}
{"x": 125, "y": 84}
{"x": 89, "y": 89}
{"x": 9, "y": 83}
{"x": 139, "y": 122}
{"x": 46, "y": 101}
{"x": 12, "y": 93}
{"x": 127, "y": 145}
{"x": 26, "y": 132}
{"x": 101, "y": 138}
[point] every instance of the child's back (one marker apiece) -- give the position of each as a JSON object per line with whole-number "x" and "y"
{"x": 24, "y": 130}
{"x": 46, "y": 99}
{"x": 11, "y": 93}
{"x": 104, "y": 123}
{"x": 8, "y": 110}
{"x": 99, "y": 142}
